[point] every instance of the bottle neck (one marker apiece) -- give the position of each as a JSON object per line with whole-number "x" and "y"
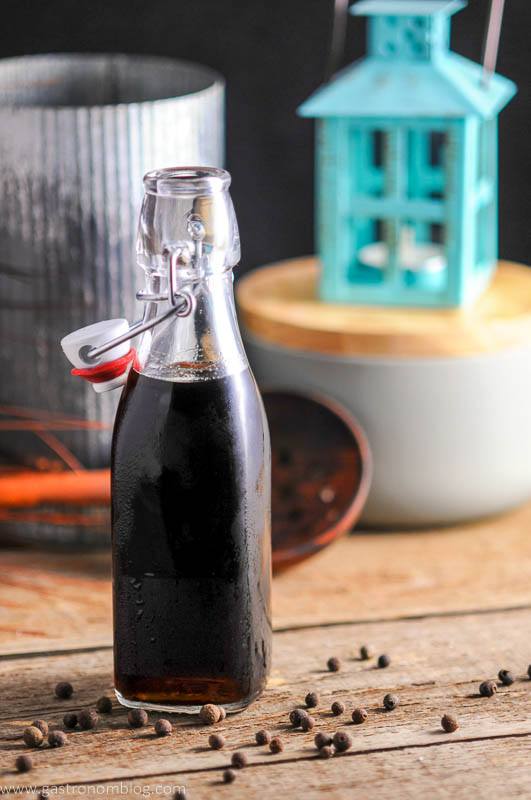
{"x": 203, "y": 346}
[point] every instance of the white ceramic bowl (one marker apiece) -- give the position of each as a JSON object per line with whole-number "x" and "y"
{"x": 451, "y": 437}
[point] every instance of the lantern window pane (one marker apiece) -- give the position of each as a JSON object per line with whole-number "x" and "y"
{"x": 437, "y": 152}
{"x": 378, "y": 143}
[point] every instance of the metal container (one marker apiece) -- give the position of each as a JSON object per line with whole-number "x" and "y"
{"x": 77, "y": 133}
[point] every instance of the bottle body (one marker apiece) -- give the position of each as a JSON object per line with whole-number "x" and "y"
{"x": 191, "y": 542}
{"x": 191, "y": 483}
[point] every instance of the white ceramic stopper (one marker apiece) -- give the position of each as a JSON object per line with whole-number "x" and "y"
{"x": 93, "y": 336}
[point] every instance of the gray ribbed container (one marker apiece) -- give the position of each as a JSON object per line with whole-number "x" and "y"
{"x": 77, "y": 134}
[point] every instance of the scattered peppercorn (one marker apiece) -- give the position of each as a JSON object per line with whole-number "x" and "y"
{"x": 33, "y": 736}
{"x": 229, "y": 776}
{"x": 449, "y": 723}
{"x": 326, "y": 751}
{"x": 137, "y": 718}
{"x": 222, "y": 713}
{"x": 359, "y": 715}
{"x": 104, "y": 705}
{"x": 88, "y": 719}
{"x": 307, "y": 723}
{"x": 506, "y": 677}
{"x": 216, "y": 741}
{"x": 262, "y": 737}
{"x": 57, "y": 738}
{"x": 342, "y": 741}
{"x": 312, "y": 700}
{"x": 333, "y": 664}
{"x": 322, "y": 740}
{"x": 210, "y": 714}
{"x": 163, "y": 727}
{"x": 295, "y": 716}
{"x": 487, "y": 688}
{"x": 23, "y": 763}
{"x": 64, "y": 690}
{"x": 70, "y": 720}
{"x": 390, "y": 701}
{"x": 239, "y": 760}
{"x": 42, "y": 725}
{"x": 365, "y": 653}
{"x": 529, "y": 672}
{"x": 337, "y": 708}
{"x": 276, "y": 745}
{"x": 179, "y": 793}
{"x": 383, "y": 661}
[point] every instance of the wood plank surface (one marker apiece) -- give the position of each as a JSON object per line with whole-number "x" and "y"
{"x": 437, "y": 664}
{"x": 50, "y": 601}
{"x": 280, "y": 304}
{"x": 451, "y": 607}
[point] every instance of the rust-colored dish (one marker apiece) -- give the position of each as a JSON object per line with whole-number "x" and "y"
{"x": 321, "y": 473}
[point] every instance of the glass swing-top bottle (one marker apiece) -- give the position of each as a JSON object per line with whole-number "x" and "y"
{"x": 190, "y": 468}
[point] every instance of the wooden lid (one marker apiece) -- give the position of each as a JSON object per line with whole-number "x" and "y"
{"x": 279, "y": 304}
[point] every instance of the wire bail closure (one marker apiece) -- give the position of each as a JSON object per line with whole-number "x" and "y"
{"x": 182, "y": 301}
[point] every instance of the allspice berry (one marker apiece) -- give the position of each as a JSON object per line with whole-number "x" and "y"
{"x": 216, "y": 741}
{"x": 239, "y": 760}
{"x": 383, "y": 661}
{"x": 506, "y": 677}
{"x": 210, "y": 714}
{"x": 42, "y": 725}
{"x": 337, "y": 708}
{"x": 57, "y": 738}
{"x": 64, "y": 690}
{"x": 333, "y": 664}
{"x": 487, "y": 688}
{"x": 529, "y": 672}
{"x": 137, "y": 718}
{"x": 229, "y": 776}
{"x": 449, "y": 723}
{"x": 312, "y": 700}
{"x": 390, "y": 702}
{"x": 276, "y": 745}
{"x": 262, "y": 737}
{"x": 307, "y": 723}
{"x": 33, "y": 736}
{"x": 326, "y": 752}
{"x": 342, "y": 741}
{"x": 359, "y": 715}
{"x": 23, "y": 764}
{"x": 222, "y": 713}
{"x": 104, "y": 705}
{"x": 179, "y": 793}
{"x": 70, "y": 720}
{"x": 88, "y": 719}
{"x": 322, "y": 740}
{"x": 295, "y": 716}
{"x": 365, "y": 653}
{"x": 163, "y": 727}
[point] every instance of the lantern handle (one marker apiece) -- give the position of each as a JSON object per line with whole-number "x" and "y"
{"x": 492, "y": 40}
{"x": 337, "y": 39}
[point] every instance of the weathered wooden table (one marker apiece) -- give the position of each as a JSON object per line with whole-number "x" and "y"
{"x": 451, "y": 607}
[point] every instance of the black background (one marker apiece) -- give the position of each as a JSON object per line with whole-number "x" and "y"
{"x": 273, "y": 55}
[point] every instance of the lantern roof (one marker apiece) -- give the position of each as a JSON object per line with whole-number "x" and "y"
{"x": 409, "y": 70}
{"x": 413, "y": 8}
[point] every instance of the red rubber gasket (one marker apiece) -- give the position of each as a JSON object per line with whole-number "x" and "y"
{"x": 107, "y": 371}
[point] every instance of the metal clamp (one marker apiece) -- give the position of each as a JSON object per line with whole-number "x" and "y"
{"x": 183, "y": 304}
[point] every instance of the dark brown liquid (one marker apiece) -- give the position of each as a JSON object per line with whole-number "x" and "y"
{"x": 191, "y": 541}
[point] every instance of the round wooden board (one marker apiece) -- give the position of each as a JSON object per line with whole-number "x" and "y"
{"x": 279, "y": 304}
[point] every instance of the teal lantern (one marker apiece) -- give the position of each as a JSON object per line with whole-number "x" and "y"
{"x": 407, "y": 164}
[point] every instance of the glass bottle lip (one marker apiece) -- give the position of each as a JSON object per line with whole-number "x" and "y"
{"x": 172, "y": 181}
